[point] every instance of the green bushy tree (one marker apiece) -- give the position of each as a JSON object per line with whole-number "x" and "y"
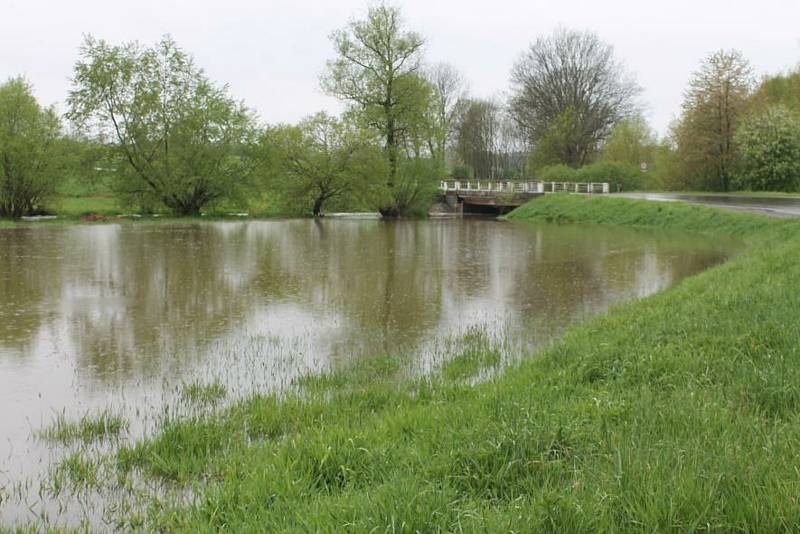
{"x": 28, "y": 159}
{"x": 178, "y": 134}
{"x": 324, "y": 159}
{"x": 769, "y": 147}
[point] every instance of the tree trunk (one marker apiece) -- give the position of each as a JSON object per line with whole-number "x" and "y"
{"x": 317, "y": 209}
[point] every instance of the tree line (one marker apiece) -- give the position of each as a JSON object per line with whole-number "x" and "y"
{"x": 148, "y": 124}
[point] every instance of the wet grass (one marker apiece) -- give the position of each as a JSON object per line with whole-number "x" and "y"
{"x": 104, "y": 425}
{"x": 76, "y": 471}
{"x": 678, "y": 412}
{"x": 203, "y": 394}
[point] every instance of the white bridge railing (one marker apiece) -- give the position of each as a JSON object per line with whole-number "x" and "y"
{"x": 486, "y": 186}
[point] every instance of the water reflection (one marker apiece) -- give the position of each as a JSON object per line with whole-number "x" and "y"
{"x": 128, "y": 301}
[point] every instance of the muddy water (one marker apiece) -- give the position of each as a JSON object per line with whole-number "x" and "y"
{"x": 120, "y": 317}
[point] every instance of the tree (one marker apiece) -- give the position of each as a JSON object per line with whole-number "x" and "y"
{"x": 781, "y": 89}
{"x": 631, "y": 141}
{"x": 324, "y": 159}
{"x": 449, "y": 95}
{"x": 568, "y": 90}
{"x": 489, "y": 142}
{"x": 477, "y": 138}
{"x": 769, "y": 147}
{"x": 376, "y": 58}
{"x": 713, "y": 106}
{"x": 178, "y": 133}
{"x": 28, "y": 161}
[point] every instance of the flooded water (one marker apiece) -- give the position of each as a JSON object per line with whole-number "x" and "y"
{"x": 121, "y": 317}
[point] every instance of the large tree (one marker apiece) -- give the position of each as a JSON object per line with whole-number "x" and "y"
{"x": 28, "y": 134}
{"x": 488, "y": 142}
{"x": 178, "y": 133}
{"x": 713, "y": 107}
{"x": 449, "y": 91}
{"x": 375, "y": 59}
{"x": 568, "y": 91}
{"x": 324, "y": 159}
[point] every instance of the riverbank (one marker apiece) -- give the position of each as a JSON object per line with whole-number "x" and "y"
{"x": 679, "y": 411}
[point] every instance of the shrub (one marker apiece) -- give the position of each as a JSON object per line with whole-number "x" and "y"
{"x": 623, "y": 176}
{"x": 461, "y": 172}
{"x": 769, "y": 144}
{"x": 556, "y": 173}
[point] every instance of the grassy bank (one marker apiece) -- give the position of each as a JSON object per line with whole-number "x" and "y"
{"x": 677, "y": 412}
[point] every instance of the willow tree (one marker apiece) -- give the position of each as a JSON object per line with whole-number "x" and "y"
{"x": 568, "y": 91}
{"x": 28, "y": 133}
{"x": 325, "y": 159}
{"x": 178, "y": 133}
{"x": 375, "y": 59}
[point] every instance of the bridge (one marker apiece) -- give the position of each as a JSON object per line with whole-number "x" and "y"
{"x": 476, "y": 196}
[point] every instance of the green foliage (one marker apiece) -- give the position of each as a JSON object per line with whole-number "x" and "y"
{"x": 29, "y": 162}
{"x": 556, "y": 173}
{"x": 375, "y": 71}
{"x": 324, "y": 160}
{"x": 178, "y": 136}
{"x": 461, "y": 172}
{"x": 769, "y": 147}
{"x": 631, "y": 141}
{"x": 782, "y": 89}
{"x": 621, "y": 176}
{"x": 417, "y": 186}
{"x": 556, "y": 144}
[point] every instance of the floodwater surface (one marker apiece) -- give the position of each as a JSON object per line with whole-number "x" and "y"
{"x": 121, "y": 317}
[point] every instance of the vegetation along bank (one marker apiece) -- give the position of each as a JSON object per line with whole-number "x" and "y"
{"x": 678, "y": 411}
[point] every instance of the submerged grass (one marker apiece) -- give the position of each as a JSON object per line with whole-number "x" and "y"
{"x": 203, "y": 394}
{"x": 89, "y": 428}
{"x": 77, "y": 471}
{"x": 679, "y": 412}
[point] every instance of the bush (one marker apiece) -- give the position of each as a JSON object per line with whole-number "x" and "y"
{"x": 621, "y": 176}
{"x": 769, "y": 144}
{"x": 556, "y": 173}
{"x": 461, "y": 172}
{"x": 416, "y": 186}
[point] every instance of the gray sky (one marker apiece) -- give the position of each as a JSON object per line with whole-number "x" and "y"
{"x": 271, "y": 52}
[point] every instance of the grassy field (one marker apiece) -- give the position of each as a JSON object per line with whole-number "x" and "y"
{"x": 677, "y": 412}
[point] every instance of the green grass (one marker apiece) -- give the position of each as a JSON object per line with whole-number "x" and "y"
{"x": 76, "y": 207}
{"x": 75, "y": 471}
{"x": 755, "y": 194}
{"x": 678, "y": 412}
{"x": 87, "y": 429}
{"x": 203, "y": 394}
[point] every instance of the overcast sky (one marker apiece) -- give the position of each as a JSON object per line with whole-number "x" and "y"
{"x": 271, "y": 52}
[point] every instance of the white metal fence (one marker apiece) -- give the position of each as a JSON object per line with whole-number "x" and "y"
{"x": 478, "y": 186}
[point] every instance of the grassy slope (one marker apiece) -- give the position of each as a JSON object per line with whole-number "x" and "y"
{"x": 679, "y": 411}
